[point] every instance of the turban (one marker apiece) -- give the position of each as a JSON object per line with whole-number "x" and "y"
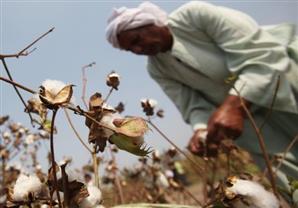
{"x": 129, "y": 18}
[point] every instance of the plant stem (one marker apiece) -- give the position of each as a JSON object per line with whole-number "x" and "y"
{"x": 110, "y": 92}
{"x": 262, "y": 146}
{"x": 18, "y": 85}
{"x": 53, "y": 157}
{"x": 272, "y": 103}
{"x": 285, "y": 153}
{"x": 76, "y": 132}
{"x": 95, "y": 168}
{"x": 195, "y": 164}
{"x": 23, "y": 51}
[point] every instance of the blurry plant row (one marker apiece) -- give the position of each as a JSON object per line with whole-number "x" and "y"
{"x": 156, "y": 179}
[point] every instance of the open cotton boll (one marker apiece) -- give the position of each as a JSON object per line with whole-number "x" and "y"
{"x": 25, "y": 185}
{"x": 93, "y": 199}
{"x": 53, "y": 86}
{"x": 253, "y": 193}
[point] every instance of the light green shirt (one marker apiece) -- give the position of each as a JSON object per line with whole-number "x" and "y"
{"x": 213, "y": 44}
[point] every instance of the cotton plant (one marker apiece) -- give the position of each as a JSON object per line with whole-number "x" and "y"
{"x": 127, "y": 133}
{"x": 248, "y": 194}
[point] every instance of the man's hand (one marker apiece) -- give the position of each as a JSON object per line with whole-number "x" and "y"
{"x": 196, "y": 142}
{"x": 198, "y": 146}
{"x": 227, "y": 121}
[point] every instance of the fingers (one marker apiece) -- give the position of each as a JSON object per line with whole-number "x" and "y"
{"x": 202, "y": 149}
{"x": 194, "y": 144}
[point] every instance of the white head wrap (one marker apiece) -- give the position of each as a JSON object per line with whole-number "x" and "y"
{"x": 129, "y": 18}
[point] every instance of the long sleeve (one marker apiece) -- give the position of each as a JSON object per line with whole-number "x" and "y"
{"x": 254, "y": 55}
{"x": 191, "y": 103}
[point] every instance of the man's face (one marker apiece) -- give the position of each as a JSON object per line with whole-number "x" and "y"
{"x": 146, "y": 40}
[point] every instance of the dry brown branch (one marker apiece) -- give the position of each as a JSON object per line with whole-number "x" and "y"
{"x": 23, "y": 51}
{"x": 285, "y": 153}
{"x": 261, "y": 144}
{"x": 272, "y": 103}
{"x": 53, "y": 157}
{"x": 16, "y": 89}
{"x": 18, "y": 85}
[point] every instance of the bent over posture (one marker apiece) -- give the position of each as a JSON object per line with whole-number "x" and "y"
{"x": 194, "y": 51}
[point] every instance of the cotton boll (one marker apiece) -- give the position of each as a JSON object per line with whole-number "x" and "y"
{"x": 25, "y": 185}
{"x": 93, "y": 199}
{"x": 53, "y": 86}
{"x": 251, "y": 192}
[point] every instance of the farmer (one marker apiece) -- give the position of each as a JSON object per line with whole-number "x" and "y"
{"x": 207, "y": 57}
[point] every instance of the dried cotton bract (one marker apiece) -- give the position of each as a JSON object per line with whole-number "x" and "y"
{"x": 26, "y": 185}
{"x": 54, "y": 93}
{"x": 251, "y": 194}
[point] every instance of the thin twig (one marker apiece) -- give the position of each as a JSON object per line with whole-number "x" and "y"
{"x": 23, "y": 51}
{"x": 272, "y": 103}
{"x": 196, "y": 166}
{"x": 110, "y": 92}
{"x": 75, "y": 131}
{"x": 261, "y": 143}
{"x": 16, "y": 89}
{"x": 53, "y": 157}
{"x": 285, "y": 153}
{"x": 84, "y": 79}
{"x": 18, "y": 85}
